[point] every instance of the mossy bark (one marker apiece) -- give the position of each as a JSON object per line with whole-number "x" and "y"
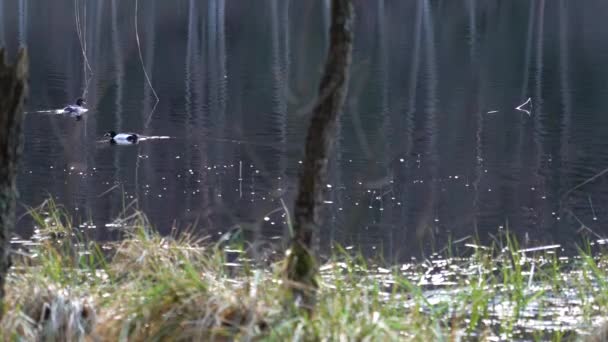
{"x": 301, "y": 265}
{"x": 13, "y": 87}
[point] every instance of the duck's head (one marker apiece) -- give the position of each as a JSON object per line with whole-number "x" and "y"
{"x": 80, "y": 101}
{"x": 110, "y": 134}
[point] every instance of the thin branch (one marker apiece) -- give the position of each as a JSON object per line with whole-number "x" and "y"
{"x": 141, "y": 58}
{"x": 520, "y": 107}
{"x": 83, "y": 46}
{"x": 603, "y": 172}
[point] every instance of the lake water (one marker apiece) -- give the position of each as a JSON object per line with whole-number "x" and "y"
{"x": 431, "y": 147}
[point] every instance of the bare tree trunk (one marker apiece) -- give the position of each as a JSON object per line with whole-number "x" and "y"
{"x": 13, "y": 87}
{"x": 301, "y": 265}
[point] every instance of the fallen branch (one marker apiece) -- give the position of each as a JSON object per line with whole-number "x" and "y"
{"x": 523, "y": 104}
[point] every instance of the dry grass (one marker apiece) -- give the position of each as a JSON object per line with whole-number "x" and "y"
{"x": 148, "y": 287}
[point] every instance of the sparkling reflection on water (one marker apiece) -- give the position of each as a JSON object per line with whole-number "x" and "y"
{"x": 430, "y": 146}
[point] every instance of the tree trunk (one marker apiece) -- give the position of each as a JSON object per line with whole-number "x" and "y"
{"x": 13, "y": 86}
{"x": 301, "y": 266}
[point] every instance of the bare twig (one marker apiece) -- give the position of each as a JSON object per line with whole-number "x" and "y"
{"x": 83, "y": 45}
{"x": 521, "y": 109}
{"x": 603, "y": 172}
{"x": 141, "y": 58}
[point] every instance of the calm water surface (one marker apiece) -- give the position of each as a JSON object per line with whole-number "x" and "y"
{"x": 430, "y": 147}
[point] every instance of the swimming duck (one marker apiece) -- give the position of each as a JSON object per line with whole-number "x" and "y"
{"x": 122, "y": 138}
{"x": 77, "y": 108}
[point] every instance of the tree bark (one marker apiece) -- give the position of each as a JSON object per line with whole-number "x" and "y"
{"x": 13, "y": 87}
{"x": 301, "y": 265}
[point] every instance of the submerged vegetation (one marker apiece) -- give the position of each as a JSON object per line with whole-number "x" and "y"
{"x": 151, "y": 287}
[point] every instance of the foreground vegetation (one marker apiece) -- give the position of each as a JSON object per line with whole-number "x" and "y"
{"x": 149, "y": 287}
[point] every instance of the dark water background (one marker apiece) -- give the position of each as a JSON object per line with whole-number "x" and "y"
{"x": 418, "y": 160}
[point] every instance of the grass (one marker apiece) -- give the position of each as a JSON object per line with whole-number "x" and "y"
{"x": 148, "y": 287}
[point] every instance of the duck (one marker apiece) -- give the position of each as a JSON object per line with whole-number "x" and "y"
{"x": 122, "y": 138}
{"x": 77, "y": 108}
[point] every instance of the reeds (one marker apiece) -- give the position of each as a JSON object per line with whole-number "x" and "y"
{"x": 145, "y": 287}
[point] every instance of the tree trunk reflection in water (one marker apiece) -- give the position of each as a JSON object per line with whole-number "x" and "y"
{"x": 22, "y": 22}
{"x": 118, "y": 65}
{"x": 522, "y": 145}
{"x": 96, "y": 62}
{"x": 428, "y": 219}
{"x": 200, "y": 116}
{"x": 216, "y": 90}
{"x": 408, "y": 198}
{"x": 472, "y": 9}
{"x": 216, "y": 68}
{"x": 566, "y": 93}
{"x": 326, "y": 13}
{"x": 1, "y": 23}
{"x": 74, "y": 149}
{"x": 196, "y": 72}
{"x": 148, "y": 10}
{"x": 479, "y": 129}
{"x": 385, "y": 188}
{"x": 119, "y": 69}
{"x": 528, "y": 51}
{"x": 90, "y": 121}
{"x": 221, "y": 78}
{"x": 280, "y": 71}
{"x": 191, "y": 74}
{"x": 540, "y": 176}
{"x": 214, "y": 102}
{"x": 526, "y": 72}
